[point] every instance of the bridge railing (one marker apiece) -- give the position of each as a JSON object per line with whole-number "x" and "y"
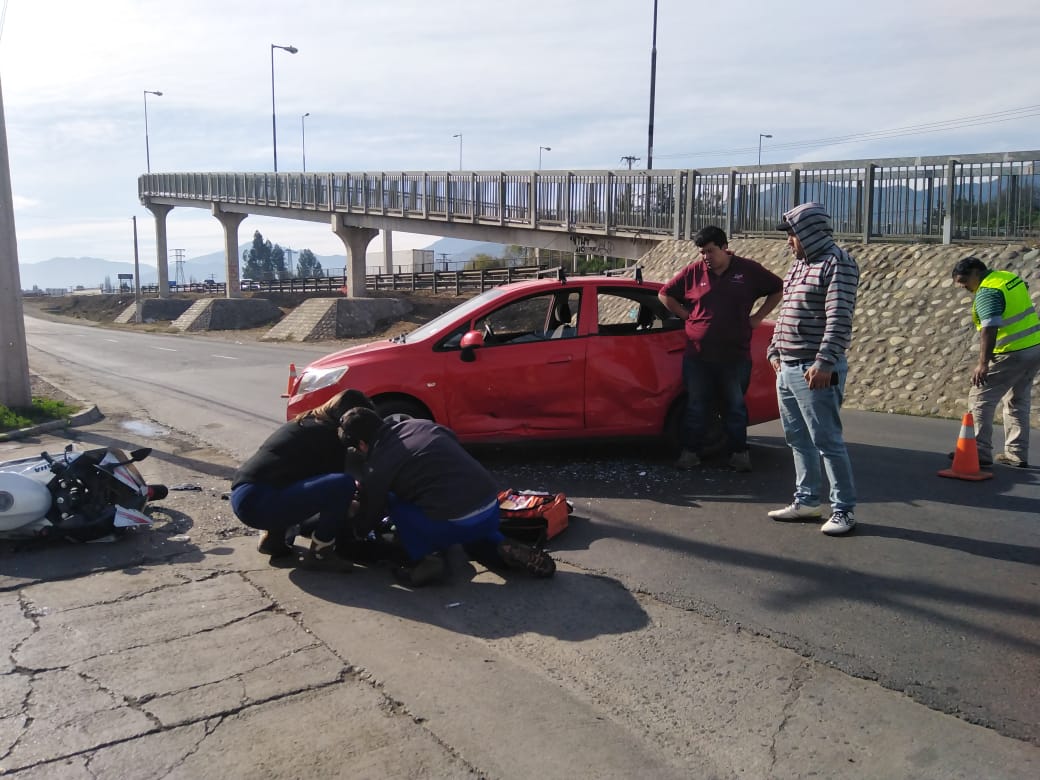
{"x": 981, "y": 196}
{"x": 457, "y": 282}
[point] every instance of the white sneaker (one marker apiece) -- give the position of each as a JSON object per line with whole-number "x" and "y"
{"x": 840, "y": 522}
{"x": 796, "y": 511}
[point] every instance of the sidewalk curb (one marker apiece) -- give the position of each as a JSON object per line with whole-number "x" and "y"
{"x": 86, "y": 417}
{"x": 89, "y": 414}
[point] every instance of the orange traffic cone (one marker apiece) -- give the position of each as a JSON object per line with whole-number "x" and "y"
{"x": 966, "y": 456}
{"x": 292, "y": 380}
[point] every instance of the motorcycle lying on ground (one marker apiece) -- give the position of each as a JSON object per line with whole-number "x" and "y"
{"x": 81, "y": 495}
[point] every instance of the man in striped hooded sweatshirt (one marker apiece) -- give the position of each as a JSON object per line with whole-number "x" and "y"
{"x": 813, "y": 330}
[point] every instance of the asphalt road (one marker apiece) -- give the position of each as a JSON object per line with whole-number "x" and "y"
{"x": 935, "y": 594}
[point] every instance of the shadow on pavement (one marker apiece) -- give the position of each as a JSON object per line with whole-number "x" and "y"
{"x": 572, "y": 606}
{"x": 624, "y": 471}
{"x": 197, "y": 465}
{"x": 25, "y": 561}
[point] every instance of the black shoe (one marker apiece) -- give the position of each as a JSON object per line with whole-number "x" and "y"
{"x": 427, "y": 571}
{"x": 322, "y": 556}
{"x": 307, "y": 526}
{"x": 517, "y": 555}
{"x": 275, "y": 544}
{"x": 370, "y": 550}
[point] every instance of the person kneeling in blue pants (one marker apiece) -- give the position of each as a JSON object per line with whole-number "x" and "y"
{"x": 300, "y": 471}
{"x": 434, "y": 492}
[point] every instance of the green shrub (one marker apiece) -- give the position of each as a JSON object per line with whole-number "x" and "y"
{"x": 42, "y": 410}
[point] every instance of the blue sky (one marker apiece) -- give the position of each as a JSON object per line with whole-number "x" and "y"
{"x": 388, "y": 84}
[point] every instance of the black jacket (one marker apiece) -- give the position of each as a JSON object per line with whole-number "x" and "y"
{"x": 422, "y": 463}
{"x": 296, "y": 451}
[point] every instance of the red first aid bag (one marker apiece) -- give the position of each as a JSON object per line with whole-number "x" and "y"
{"x": 533, "y": 516}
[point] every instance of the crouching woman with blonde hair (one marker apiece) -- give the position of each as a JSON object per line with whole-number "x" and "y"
{"x": 300, "y": 471}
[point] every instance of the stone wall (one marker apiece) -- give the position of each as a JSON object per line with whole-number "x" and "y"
{"x": 913, "y": 343}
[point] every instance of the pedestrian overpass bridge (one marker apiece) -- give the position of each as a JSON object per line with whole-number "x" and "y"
{"x": 620, "y": 214}
{"x": 615, "y": 213}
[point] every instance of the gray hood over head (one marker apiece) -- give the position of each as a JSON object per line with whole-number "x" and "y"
{"x": 811, "y": 225}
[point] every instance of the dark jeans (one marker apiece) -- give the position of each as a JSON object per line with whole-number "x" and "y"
{"x": 272, "y": 508}
{"x": 420, "y": 536}
{"x": 710, "y": 388}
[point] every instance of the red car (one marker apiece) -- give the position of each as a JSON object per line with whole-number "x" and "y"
{"x": 587, "y": 357}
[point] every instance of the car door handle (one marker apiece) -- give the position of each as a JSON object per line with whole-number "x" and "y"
{"x": 560, "y": 359}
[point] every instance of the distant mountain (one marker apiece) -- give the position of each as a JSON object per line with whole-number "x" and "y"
{"x": 92, "y": 272}
{"x": 70, "y": 272}
{"x": 460, "y": 251}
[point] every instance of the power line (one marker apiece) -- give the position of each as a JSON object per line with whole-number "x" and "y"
{"x": 975, "y": 120}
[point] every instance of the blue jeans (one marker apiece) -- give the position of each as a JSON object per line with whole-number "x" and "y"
{"x": 712, "y": 387}
{"x": 271, "y": 508}
{"x": 420, "y": 536}
{"x": 812, "y": 427}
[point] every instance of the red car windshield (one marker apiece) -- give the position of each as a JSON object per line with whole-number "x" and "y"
{"x": 461, "y": 311}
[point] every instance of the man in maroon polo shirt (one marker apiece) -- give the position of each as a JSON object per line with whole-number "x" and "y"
{"x": 715, "y": 295}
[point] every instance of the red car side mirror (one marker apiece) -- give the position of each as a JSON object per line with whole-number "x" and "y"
{"x": 470, "y": 341}
{"x": 473, "y": 338}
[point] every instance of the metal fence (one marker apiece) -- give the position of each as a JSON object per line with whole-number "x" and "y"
{"x": 457, "y": 282}
{"x": 968, "y": 197}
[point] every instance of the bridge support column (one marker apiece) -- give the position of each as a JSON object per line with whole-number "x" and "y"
{"x": 356, "y": 240}
{"x": 162, "y": 261}
{"x": 388, "y": 251}
{"x": 230, "y": 221}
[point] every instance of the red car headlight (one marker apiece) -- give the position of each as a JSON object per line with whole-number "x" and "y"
{"x": 317, "y": 378}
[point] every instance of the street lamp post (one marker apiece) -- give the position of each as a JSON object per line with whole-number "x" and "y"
{"x": 274, "y": 125}
{"x": 653, "y": 85}
{"x": 303, "y": 139}
{"x": 459, "y": 136}
{"x": 760, "y": 137}
{"x": 540, "y": 149}
{"x": 147, "y": 153}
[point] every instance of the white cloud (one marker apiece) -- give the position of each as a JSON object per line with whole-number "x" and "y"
{"x": 387, "y": 85}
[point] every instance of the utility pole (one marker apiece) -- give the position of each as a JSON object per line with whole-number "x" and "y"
{"x": 653, "y": 86}
{"x": 14, "y": 359}
{"x": 630, "y": 158}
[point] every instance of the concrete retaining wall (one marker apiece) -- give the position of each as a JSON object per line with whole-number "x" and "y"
{"x": 155, "y": 309}
{"x": 337, "y": 318}
{"x": 913, "y": 343}
{"x": 227, "y": 314}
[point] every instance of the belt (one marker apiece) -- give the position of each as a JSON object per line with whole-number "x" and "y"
{"x": 794, "y": 362}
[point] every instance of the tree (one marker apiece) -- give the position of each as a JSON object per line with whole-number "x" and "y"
{"x": 514, "y": 255}
{"x": 257, "y": 259}
{"x": 278, "y": 268}
{"x": 484, "y": 261}
{"x": 307, "y": 265}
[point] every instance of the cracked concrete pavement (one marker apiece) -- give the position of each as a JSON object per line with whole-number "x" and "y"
{"x": 178, "y": 652}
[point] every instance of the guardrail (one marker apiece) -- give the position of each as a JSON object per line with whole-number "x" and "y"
{"x": 948, "y": 198}
{"x": 459, "y": 282}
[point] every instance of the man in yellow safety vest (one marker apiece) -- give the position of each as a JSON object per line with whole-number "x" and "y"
{"x": 1009, "y": 358}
